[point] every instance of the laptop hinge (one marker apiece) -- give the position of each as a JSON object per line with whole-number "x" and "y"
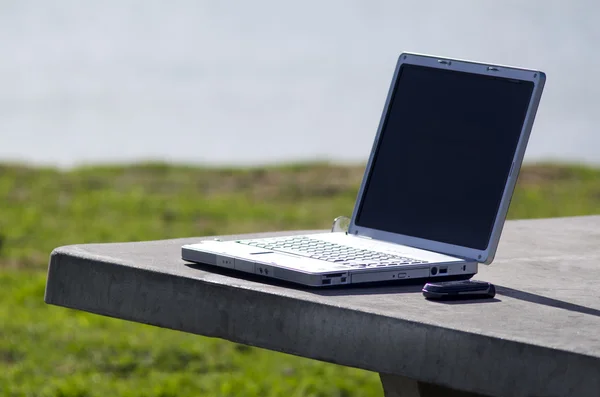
{"x": 467, "y": 259}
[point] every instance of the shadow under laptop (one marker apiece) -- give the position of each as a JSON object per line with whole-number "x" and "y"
{"x": 398, "y": 287}
{"x": 378, "y": 288}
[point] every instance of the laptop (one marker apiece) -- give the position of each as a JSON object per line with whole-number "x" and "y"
{"x": 436, "y": 188}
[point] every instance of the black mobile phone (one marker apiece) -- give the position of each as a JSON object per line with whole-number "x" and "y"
{"x": 465, "y": 289}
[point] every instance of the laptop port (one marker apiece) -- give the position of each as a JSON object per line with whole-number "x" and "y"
{"x": 326, "y": 282}
{"x": 434, "y": 271}
{"x": 332, "y": 275}
{"x": 443, "y": 270}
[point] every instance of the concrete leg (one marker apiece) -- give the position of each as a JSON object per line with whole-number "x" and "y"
{"x": 399, "y": 386}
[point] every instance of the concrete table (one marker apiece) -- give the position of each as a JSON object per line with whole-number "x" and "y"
{"x": 539, "y": 337}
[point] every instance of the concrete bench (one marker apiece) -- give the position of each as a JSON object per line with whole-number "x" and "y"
{"x": 539, "y": 337}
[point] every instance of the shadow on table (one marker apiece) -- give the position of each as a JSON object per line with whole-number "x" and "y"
{"x": 400, "y": 287}
{"x": 543, "y": 300}
{"x": 396, "y": 287}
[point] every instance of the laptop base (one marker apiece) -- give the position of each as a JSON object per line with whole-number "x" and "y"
{"x": 318, "y": 273}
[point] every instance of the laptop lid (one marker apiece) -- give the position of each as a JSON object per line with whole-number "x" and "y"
{"x": 447, "y": 155}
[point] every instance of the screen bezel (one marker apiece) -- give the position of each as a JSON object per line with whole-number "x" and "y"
{"x": 485, "y": 256}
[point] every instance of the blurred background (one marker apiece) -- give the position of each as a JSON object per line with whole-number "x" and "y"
{"x": 259, "y": 82}
{"x": 139, "y": 120}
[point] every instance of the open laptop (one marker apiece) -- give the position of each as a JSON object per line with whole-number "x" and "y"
{"x": 436, "y": 188}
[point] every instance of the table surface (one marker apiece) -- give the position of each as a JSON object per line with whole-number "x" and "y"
{"x": 540, "y": 335}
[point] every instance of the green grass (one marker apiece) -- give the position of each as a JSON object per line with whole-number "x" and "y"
{"x": 51, "y": 351}
{"x": 45, "y": 208}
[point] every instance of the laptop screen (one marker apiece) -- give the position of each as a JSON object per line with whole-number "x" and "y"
{"x": 444, "y": 155}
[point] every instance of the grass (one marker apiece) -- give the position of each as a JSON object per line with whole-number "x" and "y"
{"x": 51, "y": 351}
{"x": 46, "y": 208}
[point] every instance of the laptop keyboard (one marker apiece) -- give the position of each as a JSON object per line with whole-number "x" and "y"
{"x": 331, "y": 252}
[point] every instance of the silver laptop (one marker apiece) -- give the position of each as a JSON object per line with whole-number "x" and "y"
{"x": 436, "y": 188}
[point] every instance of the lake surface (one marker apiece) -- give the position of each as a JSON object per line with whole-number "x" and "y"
{"x": 259, "y": 82}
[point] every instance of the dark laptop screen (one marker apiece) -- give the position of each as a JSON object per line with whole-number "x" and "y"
{"x": 444, "y": 155}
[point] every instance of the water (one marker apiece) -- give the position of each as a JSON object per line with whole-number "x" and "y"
{"x": 266, "y": 81}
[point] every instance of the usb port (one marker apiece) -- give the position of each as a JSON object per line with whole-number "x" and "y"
{"x": 443, "y": 270}
{"x": 326, "y": 282}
